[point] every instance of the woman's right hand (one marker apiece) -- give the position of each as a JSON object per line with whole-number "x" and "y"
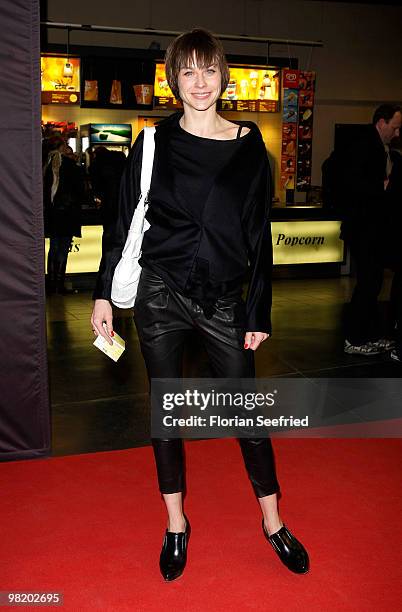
{"x": 102, "y": 313}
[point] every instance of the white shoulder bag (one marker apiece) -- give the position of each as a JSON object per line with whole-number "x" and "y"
{"x": 127, "y": 272}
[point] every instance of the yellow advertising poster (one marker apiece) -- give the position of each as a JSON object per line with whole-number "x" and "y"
{"x": 60, "y": 80}
{"x": 163, "y": 96}
{"x": 161, "y": 87}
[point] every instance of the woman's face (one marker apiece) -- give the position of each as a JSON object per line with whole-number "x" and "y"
{"x": 199, "y": 88}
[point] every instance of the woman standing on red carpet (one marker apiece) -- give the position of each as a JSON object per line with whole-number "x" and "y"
{"x": 208, "y": 208}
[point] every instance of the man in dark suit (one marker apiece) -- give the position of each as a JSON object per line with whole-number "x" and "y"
{"x": 365, "y": 179}
{"x": 394, "y": 192}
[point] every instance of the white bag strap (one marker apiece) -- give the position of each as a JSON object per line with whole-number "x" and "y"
{"x": 148, "y": 151}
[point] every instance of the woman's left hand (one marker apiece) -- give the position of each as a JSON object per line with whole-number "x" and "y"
{"x": 252, "y": 340}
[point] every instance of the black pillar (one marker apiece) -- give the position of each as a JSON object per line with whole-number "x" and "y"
{"x": 24, "y": 403}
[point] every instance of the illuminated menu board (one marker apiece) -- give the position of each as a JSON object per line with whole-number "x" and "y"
{"x": 250, "y": 88}
{"x": 60, "y": 80}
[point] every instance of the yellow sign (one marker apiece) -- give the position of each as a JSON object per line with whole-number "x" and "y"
{"x": 60, "y": 79}
{"x": 301, "y": 242}
{"x": 248, "y": 83}
{"x": 294, "y": 242}
{"x": 163, "y": 96}
{"x": 85, "y": 253}
{"x": 161, "y": 87}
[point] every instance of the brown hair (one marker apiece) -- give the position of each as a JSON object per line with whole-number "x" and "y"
{"x": 207, "y": 50}
{"x": 386, "y": 112}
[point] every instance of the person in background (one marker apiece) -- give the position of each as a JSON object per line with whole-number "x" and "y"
{"x": 364, "y": 175}
{"x": 209, "y": 206}
{"x": 106, "y": 171}
{"x": 393, "y": 237}
{"x": 68, "y": 152}
{"x": 330, "y": 184}
{"x": 62, "y": 197}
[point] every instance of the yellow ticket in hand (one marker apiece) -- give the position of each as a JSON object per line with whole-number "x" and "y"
{"x": 115, "y": 350}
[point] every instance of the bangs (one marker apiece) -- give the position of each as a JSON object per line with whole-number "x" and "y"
{"x": 199, "y": 49}
{"x": 194, "y": 56}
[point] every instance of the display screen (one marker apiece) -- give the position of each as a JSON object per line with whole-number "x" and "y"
{"x": 119, "y": 133}
{"x": 60, "y": 80}
{"x": 250, "y": 88}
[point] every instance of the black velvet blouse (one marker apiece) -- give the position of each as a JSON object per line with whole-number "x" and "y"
{"x": 209, "y": 204}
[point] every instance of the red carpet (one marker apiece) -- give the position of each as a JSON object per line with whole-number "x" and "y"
{"x": 91, "y": 526}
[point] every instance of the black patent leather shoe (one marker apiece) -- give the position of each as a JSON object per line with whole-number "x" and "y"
{"x": 290, "y": 551}
{"x": 174, "y": 553}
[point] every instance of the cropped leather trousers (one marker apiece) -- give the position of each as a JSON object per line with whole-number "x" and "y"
{"x": 163, "y": 319}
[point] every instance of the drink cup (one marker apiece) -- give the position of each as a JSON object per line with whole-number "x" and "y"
{"x": 144, "y": 93}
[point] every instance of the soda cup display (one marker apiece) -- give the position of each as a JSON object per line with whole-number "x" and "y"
{"x": 231, "y": 89}
{"x": 144, "y": 93}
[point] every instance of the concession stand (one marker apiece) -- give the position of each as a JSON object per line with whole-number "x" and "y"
{"x": 108, "y": 99}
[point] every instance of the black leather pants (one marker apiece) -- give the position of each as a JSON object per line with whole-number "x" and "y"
{"x": 163, "y": 318}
